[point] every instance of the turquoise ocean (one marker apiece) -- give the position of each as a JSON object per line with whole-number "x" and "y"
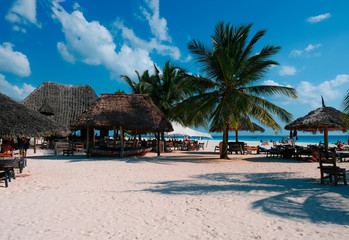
{"x": 277, "y": 138}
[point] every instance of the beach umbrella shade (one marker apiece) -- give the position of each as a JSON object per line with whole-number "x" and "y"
{"x": 17, "y": 120}
{"x": 244, "y": 125}
{"x": 323, "y": 119}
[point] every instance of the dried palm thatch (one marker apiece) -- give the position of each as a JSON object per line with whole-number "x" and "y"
{"x": 17, "y": 120}
{"x": 135, "y": 112}
{"x": 323, "y": 119}
{"x": 64, "y": 102}
{"x": 319, "y": 119}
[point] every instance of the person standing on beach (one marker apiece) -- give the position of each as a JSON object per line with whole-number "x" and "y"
{"x": 23, "y": 145}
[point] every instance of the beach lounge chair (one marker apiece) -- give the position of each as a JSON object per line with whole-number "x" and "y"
{"x": 329, "y": 169}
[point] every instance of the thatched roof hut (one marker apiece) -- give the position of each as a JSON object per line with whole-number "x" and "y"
{"x": 135, "y": 112}
{"x": 17, "y": 120}
{"x": 323, "y": 119}
{"x": 64, "y": 102}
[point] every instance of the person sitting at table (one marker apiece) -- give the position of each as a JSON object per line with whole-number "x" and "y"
{"x": 7, "y": 148}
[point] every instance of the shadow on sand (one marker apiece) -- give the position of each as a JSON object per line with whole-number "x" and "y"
{"x": 297, "y": 198}
{"x": 292, "y": 197}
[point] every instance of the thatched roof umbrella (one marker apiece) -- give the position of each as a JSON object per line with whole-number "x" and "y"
{"x": 135, "y": 112}
{"x": 18, "y": 120}
{"x": 244, "y": 125}
{"x": 323, "y": 119}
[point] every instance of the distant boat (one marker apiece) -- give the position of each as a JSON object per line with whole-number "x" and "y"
{"x": 96, "y": 152}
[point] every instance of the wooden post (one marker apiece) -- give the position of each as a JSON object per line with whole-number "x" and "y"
{"x": 88, "y": 142}
{"x": 122, "y": 142}
{"x": 34, "y": 144}
{"x": 158, "y": 138}
{"x": 115, "y": 134}
{"x": 326, "y": 139}
{"x": 94, "y": 137}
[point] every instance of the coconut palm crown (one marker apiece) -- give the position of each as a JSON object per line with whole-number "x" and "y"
{"x": 227, "y": 88}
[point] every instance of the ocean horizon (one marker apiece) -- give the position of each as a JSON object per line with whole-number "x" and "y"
{"x": 301, "y": 138}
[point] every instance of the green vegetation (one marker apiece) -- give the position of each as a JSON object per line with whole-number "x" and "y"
{"x": 227, "y": 89}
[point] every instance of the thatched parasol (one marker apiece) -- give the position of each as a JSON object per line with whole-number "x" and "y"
{"x": 323, "y": 119}
{"x": 244, "y": 125}
{"x": 135, "y": 112}
{"x": 18, "y": 120}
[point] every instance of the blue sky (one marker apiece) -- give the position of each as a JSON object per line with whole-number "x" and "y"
{"x": 94, "y": 42}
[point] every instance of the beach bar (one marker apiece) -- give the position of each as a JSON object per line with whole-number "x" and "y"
{"x": 120, "y": 112}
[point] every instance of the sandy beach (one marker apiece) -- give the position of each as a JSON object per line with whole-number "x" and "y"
{"x": 181, "y": 195}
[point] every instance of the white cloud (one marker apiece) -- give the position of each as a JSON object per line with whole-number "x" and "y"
{"x": 306, "y": 51}
{"x": 23, "y": 12}
{"x": 318, "y": 18}
{"x": 62, "y": 49}
{"x": 14, "y": 91}
{"x": 92, "y": 43}
{"x": 311, "y": 47}
{"x": 158, "y": 25}
{"x": 330, "y": 90}
{"x": 287, "y": 70}
{"x": 154, "y": 44}
{"x": 273, "y": 83}
{"x": 12, "y": 61}
{"x": 76, "y": 5}
{"x": 296, "y": 53}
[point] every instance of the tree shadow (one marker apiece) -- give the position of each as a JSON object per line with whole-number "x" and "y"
{"x": 292, "y": 197}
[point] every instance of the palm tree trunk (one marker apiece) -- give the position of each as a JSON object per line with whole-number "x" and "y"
{"x": 224, "y": 153}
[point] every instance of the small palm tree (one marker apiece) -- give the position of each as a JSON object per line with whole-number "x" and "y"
{"x": 165, "y": 87}
{"x": 228, "y": 89}
{"x": 141, "y": 86}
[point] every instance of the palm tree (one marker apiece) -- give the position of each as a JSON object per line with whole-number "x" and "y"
{"x": 141, "y": 86}
{"x": 166, "y": 87}
{"x": 227, "y": 91}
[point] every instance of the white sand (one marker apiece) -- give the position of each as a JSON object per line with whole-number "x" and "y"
{"x": 189, "y": 195}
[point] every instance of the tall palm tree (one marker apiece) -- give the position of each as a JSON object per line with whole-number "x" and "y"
{"x": 228, "y": 90}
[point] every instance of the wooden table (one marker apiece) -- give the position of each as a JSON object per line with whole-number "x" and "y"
{"x": 342, "y": 153}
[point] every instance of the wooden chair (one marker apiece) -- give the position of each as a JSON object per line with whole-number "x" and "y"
{"x": 4, "y": 176}
{"x": 329, "y": 169}
{"x": 202, "y": 145}
{"x": 236, "y": 147}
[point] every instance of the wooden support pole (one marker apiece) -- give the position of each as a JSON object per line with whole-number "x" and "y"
{"x": 158, "y": 138}
{"x": 94, "y": 137}
{"x": 326, "y": 139}
{"x": 122, "y": 142}
{"x": 34, "y": 144}
{"x": 115, "y": 134}
{"x": 88, "y": 142}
